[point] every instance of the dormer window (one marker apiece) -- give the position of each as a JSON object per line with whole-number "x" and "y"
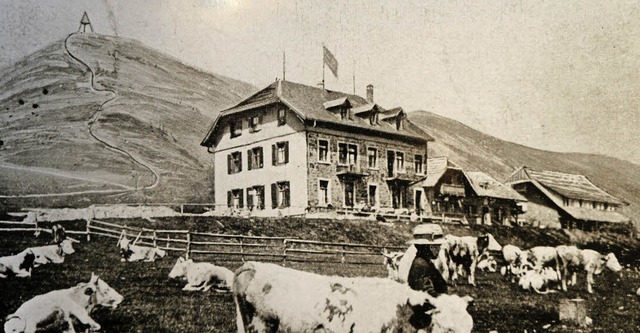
{"x": 399, "y": 123}
{"x": 344, "y": 113}
{"x": 374, "y": 118}
{"x": 254, "y": 123}
{"x": 282, "y": 117}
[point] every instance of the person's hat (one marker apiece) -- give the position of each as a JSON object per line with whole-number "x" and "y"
{"x": 427, "y": 234}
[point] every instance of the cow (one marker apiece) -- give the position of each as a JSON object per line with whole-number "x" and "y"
{"x": 540, "y": 256}
{"x": 19, "y": 265}
{"x": 487, "y": 263}
{"x": 539, "y": 280}
{"x": 463, "y": 253}
{"x": 201, "y": 276}
{"x": 270, "y": 298}
{"x": 592, "y": 262}
{"x": 130, "y": 252}
{"x": 58, "y": 232}
{"x": 56, "y": 308}
{"x": 52, "y": 253}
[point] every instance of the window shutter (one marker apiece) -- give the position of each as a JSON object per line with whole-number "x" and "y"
{"x": 239, "y": 161}
{"x": 229, "y": 199}
{"x": 249, "y": 198}
{"x": 286, "y": 152}
{"x": 229, "y": 164}
{"x": 274, "y": 195}
{"x": 287, "y": 196}
{"x": 241, "y": 193}
{"x": 249, "y": 159}
{"x": 273, "y": 154}
{"x": 261, "y": 158}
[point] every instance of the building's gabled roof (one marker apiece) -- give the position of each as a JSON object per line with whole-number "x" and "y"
{"x": 336, "y": 102}
{"x": 309, "y": 103}
{"x": 436, "y": 167}
{"x": 487, "y": 186}
{"x": 572, "y": 186}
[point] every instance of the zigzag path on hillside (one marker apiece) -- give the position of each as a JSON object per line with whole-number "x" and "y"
{"x": 98, "y": 114}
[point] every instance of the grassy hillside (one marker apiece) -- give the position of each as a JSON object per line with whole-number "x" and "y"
{"x": 474, "y": 150}
{"x": 130, "y": 134}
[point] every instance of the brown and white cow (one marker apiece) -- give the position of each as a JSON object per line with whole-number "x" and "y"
{"x": 572, "y": 259}
{"x": 131, "y": 252}
{"x": 463, "y": 253}
{"x": 539, "y": 279}
{"x": 19, "y": 265}
{"x": 270, "y": 298}
{"x": 52, "y": 253}
{"x": 56, "y": 308}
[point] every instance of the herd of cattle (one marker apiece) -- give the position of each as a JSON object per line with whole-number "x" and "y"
{"x": 272, "y": 298}
{"x": 537, "y": 269}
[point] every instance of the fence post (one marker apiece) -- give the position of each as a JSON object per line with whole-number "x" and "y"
{"x": 155, "y": 238}
{"x": 188, "y": 244}
{"x": 88, "y": 232}
{"x": 241, "y": 249}
{"x": 182, "y": 209}
{"x": 168, "y": 238}
{"x": 343, "y": 259}
{"x": 284, "y": 252}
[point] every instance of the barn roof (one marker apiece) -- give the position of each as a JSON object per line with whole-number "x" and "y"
{"x": 310, "y": 104}
{"x": 487, "y": 186}
{"x": 436, "y": 167}
{"x": 572, "y": 186}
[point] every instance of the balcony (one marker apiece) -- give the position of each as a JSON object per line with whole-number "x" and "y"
{"x": 351, "y": 170}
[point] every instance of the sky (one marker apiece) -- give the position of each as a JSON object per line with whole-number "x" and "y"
{"x": 554, "y": 75}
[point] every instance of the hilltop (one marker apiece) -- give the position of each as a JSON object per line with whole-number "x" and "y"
{"x": 109, "y": 118}
{"x": 474, "y": 150}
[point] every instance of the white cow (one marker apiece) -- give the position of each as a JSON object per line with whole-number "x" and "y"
{"x": 52, "y": 253}
{"x": 540, "y": 256}
{"x": 463, "y": 253}
{"x": 19, "y": 265}
{"x": 487, "y": 263}
{"x": 399, "y": 263}
{"x": 539, "y": 279}
{"x": 201, "y": 276}
{"x": 132, "y": 253}
{"x": 592, "y": 262}
{"x": 57, "y": 307}
{"x": 271, "y": 298}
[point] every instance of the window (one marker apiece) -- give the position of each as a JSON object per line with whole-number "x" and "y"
{"x": 234, "y": 162}
{"x": 234, "y": 199}
{"x": 399, "y": 161}
{"x": 280, "y": 197}
{"x": 323, "y": 192}
{"x": 323, "y": 151}
{"x": 373, "y": 195}
{"x": 347, "y": 154}
{"x": 372, "y": 157}
{"x": 280, "y": 153}
{"x": 255, "y": 197}
{"x": 282, "y": 117}
{"x": 344, "y": 113}
{"x": 254, "y": 123}
{"x": 374, "y": 118}
{"x": 235, "y": 128}
{"x": 254, "y": 158}
{"x": 418, "y": 164}
{"x": 565, "y": 201}
{"x": 349, "y": 193}
{"x": 399, "y": 123}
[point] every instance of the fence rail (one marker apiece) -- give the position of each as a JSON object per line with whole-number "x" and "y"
{"x": 233, "y": 247}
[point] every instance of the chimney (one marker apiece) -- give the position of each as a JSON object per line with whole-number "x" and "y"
{"x": 370, "y": 93}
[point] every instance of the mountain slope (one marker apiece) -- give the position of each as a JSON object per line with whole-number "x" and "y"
{"x": 110, "y": 118}
{"x": 474, "y": 150}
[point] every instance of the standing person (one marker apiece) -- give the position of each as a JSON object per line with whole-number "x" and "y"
{"x": 424, "y": 276}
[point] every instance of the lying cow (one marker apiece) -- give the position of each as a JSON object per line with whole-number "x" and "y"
{"x": 52, "y": 253}
{"x": 540, "y": 256}
{"x": 201, "y": 276}
{"x": 58, "y": 233}
{"x": 463, "y": 253}
{"x": 19, "y": 265}
{"x": 487, "y": 263}
{"x": 271, "y": 298}
{"x": 56, "y": 308}
{"x": 132, "y": 253}
{"x": 539, "y": 280}
{"x": 573, "y": 259}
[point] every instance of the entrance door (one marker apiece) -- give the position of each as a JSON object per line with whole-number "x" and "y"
{"x": 373, "y": 195}
{"x": 418, "y": 201}
{"x": 349, "y": 193}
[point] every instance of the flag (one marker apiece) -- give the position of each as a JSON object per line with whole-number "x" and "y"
{"x": 331, "y": 61}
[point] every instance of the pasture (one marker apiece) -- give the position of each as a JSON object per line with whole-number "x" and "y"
{"x": 154, "y": 303}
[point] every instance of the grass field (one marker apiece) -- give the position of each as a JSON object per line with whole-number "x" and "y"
{"x": 153, "y": 303}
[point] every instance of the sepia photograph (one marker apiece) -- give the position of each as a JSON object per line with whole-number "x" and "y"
{"x": 301, "y": 166}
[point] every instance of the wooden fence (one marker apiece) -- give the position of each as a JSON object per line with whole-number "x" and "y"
{"x": 225, "y": 247}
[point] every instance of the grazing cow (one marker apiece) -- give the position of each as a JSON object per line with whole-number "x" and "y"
{"x": 201, "y": 276}
{"x": 56, "y": 308}
{"x": 52, "y": 253}
{"x": 132, "y": 253}
{"x": 539, "y": 279}
{"x": 463, "y": 253}
{"x": 19, "y": 265}
{"x": 58, "y": 233}
{"x": 270, "y": 298}
{"x": 540, "y": 256}
{"x": 592, "y": 262}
